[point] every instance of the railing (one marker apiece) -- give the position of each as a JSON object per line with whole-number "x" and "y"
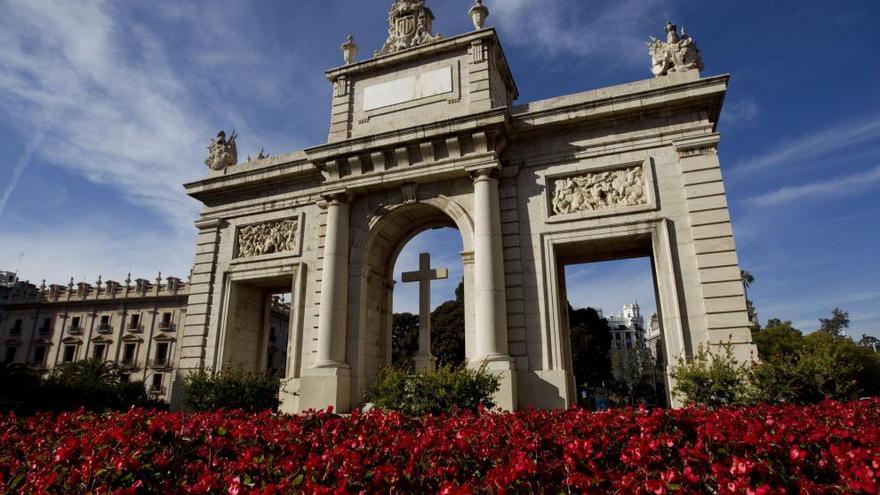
{"x": 159, "y": 363}
{"x": 166, "y": 326}
{"x": 128, "y": 365}
{"x": 15, "y": 331}
{"x": 45, "y": 330}
{"x": 104, "y": 328}
{"x": 134, "y": 328}
{"x": 157, "y": 391}
{"x": 75, "y": 330}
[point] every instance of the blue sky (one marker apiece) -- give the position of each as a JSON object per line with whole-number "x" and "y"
{"x": 106, "y": 108}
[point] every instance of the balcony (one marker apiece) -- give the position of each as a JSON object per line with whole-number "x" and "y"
{"x": 75, "y": 330}
{"x": 164, "y": 363}
{"x": 134, "y": 328}
{"x": 128, "y": 366}
{"x": 166, "y": 326}
{"x": 45, "y": 330}
{"x": 156, "y": 391}
{"x": 15, "y": 332}
{"x": 105, "y": 328}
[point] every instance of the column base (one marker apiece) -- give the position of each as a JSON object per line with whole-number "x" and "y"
{"x": 505, "y": 369}
{"x": 425, "y": 363}
{"x": 325, "y": 386}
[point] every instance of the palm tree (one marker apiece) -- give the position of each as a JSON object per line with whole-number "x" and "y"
{"x": 91, "y": 372}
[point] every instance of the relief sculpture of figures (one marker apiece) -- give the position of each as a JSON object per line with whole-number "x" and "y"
{"x": 222, "y": 152}
{"x": 679, "y": 53}
{"x": 410, "y": 24}
{"x": 596, "y": 191}
{"x": 268, "y": 238}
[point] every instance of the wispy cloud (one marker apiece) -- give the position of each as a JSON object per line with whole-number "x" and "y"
{"x": 84, "y": 249}
{"x": 136, "y": 110}
{"x": 612, "y": 30}
{"x": 20, "y": 165}
{"x": 819, "y": 189}
{"x": 741, "y": 112}
{"x": 814, "y": 145}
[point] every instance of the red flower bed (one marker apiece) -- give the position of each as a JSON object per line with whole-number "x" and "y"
{"x": 827, "y": 448}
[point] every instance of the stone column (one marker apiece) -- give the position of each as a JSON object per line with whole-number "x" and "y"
{"x": 489, "y": 292}
{"x": 491, "y": 303}
{"x": 328, "y": 381}
{"x": 334, "y": 286}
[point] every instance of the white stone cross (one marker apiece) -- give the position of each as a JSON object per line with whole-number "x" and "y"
{"x": 424, "y": 360}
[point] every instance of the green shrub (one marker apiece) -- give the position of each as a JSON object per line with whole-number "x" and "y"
{"x": 712, "y": 379}
{"x": 443, "y": 390}
{"x": 822, "y": 367}
{"x": 234, "y": 389}
{"x": 90, "y": 384}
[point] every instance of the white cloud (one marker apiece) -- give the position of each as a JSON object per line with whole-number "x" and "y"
{"x": 131, "y": 110}
{"x": 819, "y": 189}
{"x": 613, "y": 30}
{"x": 86, "y": 249}
{"x": 813, "y": 145}
{"x": 740, "y": 112}
{"x": 610, "y": 285}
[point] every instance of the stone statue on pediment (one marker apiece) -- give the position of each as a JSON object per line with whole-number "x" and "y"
{"x": 679, "y": 53}
{"x": 410, "y": 24}
{"x": 222, "y": 152}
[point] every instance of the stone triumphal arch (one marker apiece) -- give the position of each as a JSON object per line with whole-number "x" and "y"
{"x": 426, "y": 134}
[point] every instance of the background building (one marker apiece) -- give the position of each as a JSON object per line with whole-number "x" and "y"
{"x": 136, "y": 325}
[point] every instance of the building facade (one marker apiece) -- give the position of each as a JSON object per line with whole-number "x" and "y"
{"x": 426, "y": 134}
{"x": 135, "y": 325}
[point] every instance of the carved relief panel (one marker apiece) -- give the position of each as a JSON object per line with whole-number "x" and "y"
{"x": 601, "y": 192}
{"x": 272, "y": 237}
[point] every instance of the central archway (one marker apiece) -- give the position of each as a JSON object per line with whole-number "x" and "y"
{"x": 375, "y": 250}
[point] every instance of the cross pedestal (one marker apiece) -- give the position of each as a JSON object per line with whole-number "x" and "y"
{"x": 423, "y": 359}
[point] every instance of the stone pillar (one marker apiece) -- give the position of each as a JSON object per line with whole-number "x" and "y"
{"x": 334, "y": 286}
{"x": 328, "y": 381}
{"x": 489, "y": 292}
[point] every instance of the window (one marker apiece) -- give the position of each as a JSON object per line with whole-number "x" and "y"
{"x": 156, "y": 386}
{"x": 105, "y": 320}
{"x": 128, "y": 353}
{"x": 104, "y": 326}
{"x": 135, "y": 322}
{"x": 16, "y": 329}
{"x": 273, "y": 335}
{"x": 47, "y": 326}
{"x": 166, "y": 320}
{"x": 11, "y": 350}
{"x": 40, "y": 354}
{"x": 74, "y": 323}
{"x": 100, "y": 350}
{"x": 69, "y": 353}
{"x": 162, "y": 353}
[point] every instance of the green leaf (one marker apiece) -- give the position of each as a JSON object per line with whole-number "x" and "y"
{"x": 299, "y": 479}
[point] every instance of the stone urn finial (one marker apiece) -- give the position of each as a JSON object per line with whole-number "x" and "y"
{"x": 479, "y": 13}
{"x": 349, "y": 50}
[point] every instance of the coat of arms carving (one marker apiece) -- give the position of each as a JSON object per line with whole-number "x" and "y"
{"x": 222, "y": 152}
{"x": 410, "y": 24}
{"x": 679, "y": 53}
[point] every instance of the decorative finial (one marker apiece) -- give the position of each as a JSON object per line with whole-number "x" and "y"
{"x": 479, "y": 13}
{"x": 410, "y": 24}
{"x": 70, "y": 285}
{"x": 43, "y": 285}
{"x": 128, "y": 280}
{"x": 349, "y": 50}
{"x": 100, "y": 281}
{"x": 679, "y": 53}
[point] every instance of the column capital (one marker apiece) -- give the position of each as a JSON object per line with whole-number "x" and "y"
{"x": 210, "y": 223}
{"x": 334, "y": 198}
{"x": 484, "y": 171}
